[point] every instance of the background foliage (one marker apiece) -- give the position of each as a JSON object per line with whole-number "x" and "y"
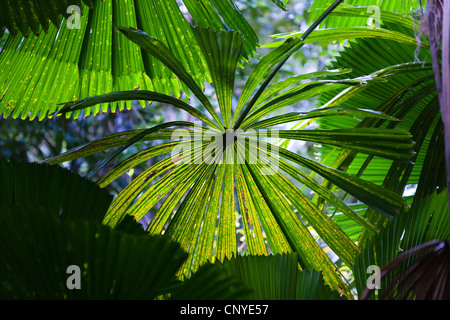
{"x": 371, "y": 105}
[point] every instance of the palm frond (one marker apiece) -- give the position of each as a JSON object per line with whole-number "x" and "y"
{"x": 66, "y": 64}
{"x": 426, "y": 222}
{"x": 366, "y": 8}
{"x": 45, "y": 232}
{"x": 53, "y": 188}
{"x": 31, "y": 15}
{"x": 425, "y": 279}
{"x": 409, "y": 94}
{"x": 277, "y": 277}
{"x": 194, "y": 196}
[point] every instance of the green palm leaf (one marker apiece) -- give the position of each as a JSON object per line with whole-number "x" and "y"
{"x": 66, "y": 64}
{"x": 23, "y": 15}
{"x": 357, "y": 12}
{"x": 265, "y": 65}
{"x": 113, "y": 264}
{"x": 36, "y": 265}
{"x": 278, "y": 278}
{"x": 53, "y": 188}
{"x": 44, "y": 232}
{"x": 324, "y": 35}
{"x": 426, "y": 221}
{"x": 318, "y": 113}
{"x": 222, "y": 58}
{"x": 409, "y": 96}
{"x": 281, "y": 3}
{"x": 194, "y": 196}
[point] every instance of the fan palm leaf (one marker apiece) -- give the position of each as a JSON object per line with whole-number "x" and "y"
{"x": 409, "y": 94}
{"x": 194, "y": 195}
{"x": 44, "y": 233}
{"x": 60, "y": 64}
{"x": 23, "y": 15}
{"x": 278, "y": 278}
{"x": 396, "y": 250}
{"x": 414, "y": 99}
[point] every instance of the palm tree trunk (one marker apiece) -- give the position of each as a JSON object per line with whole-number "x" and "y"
{"x": 439, "y": 30}
{"x": 445, "y": 102}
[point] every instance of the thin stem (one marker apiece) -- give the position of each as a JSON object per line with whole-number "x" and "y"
{"x": 320, "y": 20}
